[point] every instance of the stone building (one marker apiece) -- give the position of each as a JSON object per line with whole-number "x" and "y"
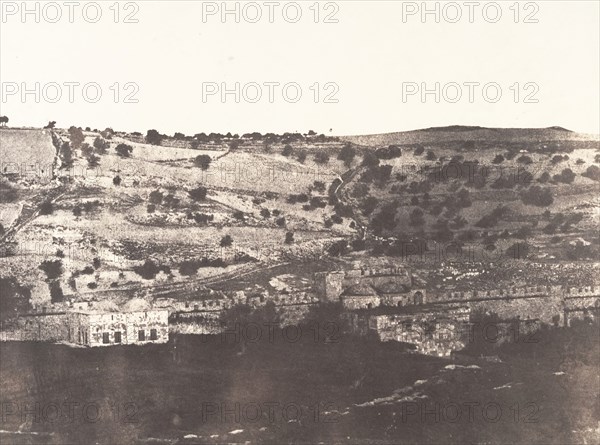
{"x": 432, "y": 330}
{"x": 90, "y": 328}
{"x": 368, "y": 286}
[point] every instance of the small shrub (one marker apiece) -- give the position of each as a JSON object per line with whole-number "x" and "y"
{"x": 226, "y": 241}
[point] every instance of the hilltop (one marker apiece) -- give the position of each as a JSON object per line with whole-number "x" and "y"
{"x": 469, "y": 133}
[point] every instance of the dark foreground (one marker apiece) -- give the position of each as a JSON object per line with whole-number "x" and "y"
{"x": 199, "y": 390}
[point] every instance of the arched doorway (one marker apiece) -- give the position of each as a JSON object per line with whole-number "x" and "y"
{"x": 418, "y": 298}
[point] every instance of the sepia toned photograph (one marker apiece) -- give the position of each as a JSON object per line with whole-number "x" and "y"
{"x": 313, "y": 222}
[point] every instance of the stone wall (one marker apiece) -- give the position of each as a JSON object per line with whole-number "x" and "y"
{"x": 436, "y": 332}
{"x": 203, "y": 322}
{"x": 415, "y": 296}
{"x": 329, "y": 286}
{"x": 545, "y": 309}
{"x": 37, "y": 327}
{"x": 519, "y": 292}
{"x": 360, "y": 302}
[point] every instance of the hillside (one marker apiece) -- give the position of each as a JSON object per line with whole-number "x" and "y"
{"x": 122, "y": 218}
{"x": 27, "y": 153}
{"x": 467, "y": 134}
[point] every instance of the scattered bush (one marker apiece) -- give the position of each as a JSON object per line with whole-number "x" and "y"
{"x": 52, "y": 268}
{"x": 7, "y": 192}
{"x": 301, "y": 156}
{"x": 537, "y": 196}
{"x": 124, "y": 150}
{"x": 226, "y": 241}
{"x": 370, "y": 160}
{"x": 289, "y": 237}
{"x": 525, "y": 160}
{"x": 592, "y": 172}
{"x": 150, "y": 269}
{"x": 493, "y": 218}
{"x": 47, "y": 208}
{"x": 558, "y": 158}
{"x": 545, "y": 177}
{"x": 153, "y": 137}
{"x": 321, "y": 157}
{"x": 56, "y": 292}
{"x": 198, "y": 194}
{"x": 202, "y": 161}
{"x": 101, "y": 145}
{"x": 518, "y": 251}
{"x": 76, "y": 137}
{"x": 390, "y": 152}
{"x": 566, "y": 176}
{"x": 347, "y": 154}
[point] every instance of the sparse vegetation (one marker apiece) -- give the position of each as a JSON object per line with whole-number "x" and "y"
{"x": 537, "y": 196}
{"x": 202, "y": 161}
{"x": 124, "y": 150}
{"x": 198, "y": 194}
{"x": 226, "y": 241}
{"x": 153, "y": 137}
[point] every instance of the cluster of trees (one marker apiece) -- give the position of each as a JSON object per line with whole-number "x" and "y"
{"x": 53, "y": 270}
{"x": 3, "y": 121}
{"x": 87, "y": 207}
{"x": 226, "y": 241}
{"x": 7, "y": 192}
{"x": 190, "y": 267}
{"x": 347, "y": 154}
{"x": 124, "y": 150}
{"x": 379, "y": 174}
{"x": 15, "y": 299}
{"x": 537, "y": 196}
{"x": 390, "y": 152}
{"x": 153, "y": 137}
{"x": 168, "y": 200}
{"x": 592, "y": 172}
{"x": 201, "y": 218}
{"x": 150, "y": 269}
{"x": 562, "y": 223}
{"x": 493, "y": 218}
{"x": 567, "y": 176}
{"x": 198, "y": 194}
{"x": 77, "y": 142}
{"x": 202, "y": 161}
{"x": 46, "y": 208}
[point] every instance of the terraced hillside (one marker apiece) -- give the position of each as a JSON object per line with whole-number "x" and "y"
{"x": 122, "y": 218}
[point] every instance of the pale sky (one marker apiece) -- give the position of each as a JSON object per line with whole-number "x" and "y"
{"x": 365, "y": 61}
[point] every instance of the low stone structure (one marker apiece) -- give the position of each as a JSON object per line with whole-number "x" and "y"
{"x": 329, "y": 286}
{"x": 551, "y": 305}
{"x": 91, "y": 328}
{"x": 113, "y": 328}
{"x": 433, "y": 330}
